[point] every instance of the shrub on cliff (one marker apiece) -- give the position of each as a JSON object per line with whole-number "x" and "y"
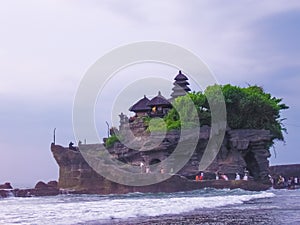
{"x": 111, "y": 141}
{"x": 247, "y": 108}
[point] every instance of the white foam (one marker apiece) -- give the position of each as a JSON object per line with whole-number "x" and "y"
{"x": 72, "y": 209}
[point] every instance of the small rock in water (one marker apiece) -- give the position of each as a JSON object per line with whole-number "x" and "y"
{"x": 7, "y": 185}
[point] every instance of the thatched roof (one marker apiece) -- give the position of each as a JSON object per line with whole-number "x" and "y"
{"x": 159, "y": 100}
{"x": 141, "y": 105}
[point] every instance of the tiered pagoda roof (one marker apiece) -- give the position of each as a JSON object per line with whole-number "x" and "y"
{"x": 180, "y": 85}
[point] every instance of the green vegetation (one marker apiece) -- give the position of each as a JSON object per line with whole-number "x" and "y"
{"x": 251, "y": 107}
{"x": 247, "y": 108}
{"x": 156, "y": 124}
{"x": 111, "y": 141}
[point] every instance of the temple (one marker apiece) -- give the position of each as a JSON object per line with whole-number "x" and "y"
{"x": 180, "y": 86}
{"x": 243, "y": 151}
{"x": 141, "y": 108}
{"x": 159, "y": 106}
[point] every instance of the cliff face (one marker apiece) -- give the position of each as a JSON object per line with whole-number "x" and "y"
{"x": 292, "y": 170}
{"x": 251, "y": 148}
{"x": 241, "y": 149}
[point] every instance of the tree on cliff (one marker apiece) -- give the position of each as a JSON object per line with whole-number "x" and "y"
{"x": 247, "y": 108}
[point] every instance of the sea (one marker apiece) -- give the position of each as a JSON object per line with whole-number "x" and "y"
{"x": 280, "y": 207}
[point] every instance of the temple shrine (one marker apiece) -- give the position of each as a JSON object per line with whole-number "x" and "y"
{"x": 159, "y": 105}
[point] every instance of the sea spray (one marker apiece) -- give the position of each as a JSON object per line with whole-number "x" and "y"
{"x": 72, "y": 209}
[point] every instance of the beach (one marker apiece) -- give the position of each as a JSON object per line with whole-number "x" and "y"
{"x": 282, "y": 208}
{"x": 206, "y": 206}
{"x": 213, "y": 217}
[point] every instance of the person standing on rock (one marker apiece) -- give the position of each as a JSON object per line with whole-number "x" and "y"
{"x": 201, "y": 176}
{"x": 224, "y": 177}
{"x": 217, "y": 176}
{"x": 162, "y": 170}
{"x": 245, "y": 175}
{"x": 237, "y": 176}
{"x": 142, "y": 166}
{"x": 281, "y": 180}
{"x": 148, "y": 169}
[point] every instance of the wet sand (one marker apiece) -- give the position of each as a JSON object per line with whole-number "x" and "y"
{"x": 213, "y": 217}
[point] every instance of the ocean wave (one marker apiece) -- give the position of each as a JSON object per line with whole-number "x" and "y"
{"x": 84, "y": 208}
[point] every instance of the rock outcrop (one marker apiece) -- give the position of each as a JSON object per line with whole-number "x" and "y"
{"x": 76, "y": 176}
{"x": 5, "y": 190}
{"x": 6, "y": 185}
{"x": 241, "y": 150}
{"x": 292, "y": 170}
{"x": 40, "y": 189}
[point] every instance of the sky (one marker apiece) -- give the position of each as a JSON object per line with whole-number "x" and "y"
{"x": 46, "y": 47}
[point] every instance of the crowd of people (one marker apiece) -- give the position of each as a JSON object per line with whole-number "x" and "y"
{"x": 146, "y": 169}
{"x": 223, "y": 176}
{"x": 281, "y": 181}
{"x": 277, "y": 182}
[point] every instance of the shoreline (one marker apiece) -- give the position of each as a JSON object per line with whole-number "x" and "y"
{"x": 51, "y": 188}
{"x": 207, "y": 207}
{"x": 182, "y": 185}
{"x": 217, "y": 216}
{"x": 54, "y": 188}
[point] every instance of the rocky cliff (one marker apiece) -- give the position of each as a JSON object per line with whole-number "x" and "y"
{"x": 40, "y": 189}
{"x": 292, "y": 170}
{"x": 241, "y": 150}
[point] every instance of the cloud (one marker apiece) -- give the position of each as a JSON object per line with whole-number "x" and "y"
{"x": 47, "y": 47}
{"x": 235, "y": 39}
